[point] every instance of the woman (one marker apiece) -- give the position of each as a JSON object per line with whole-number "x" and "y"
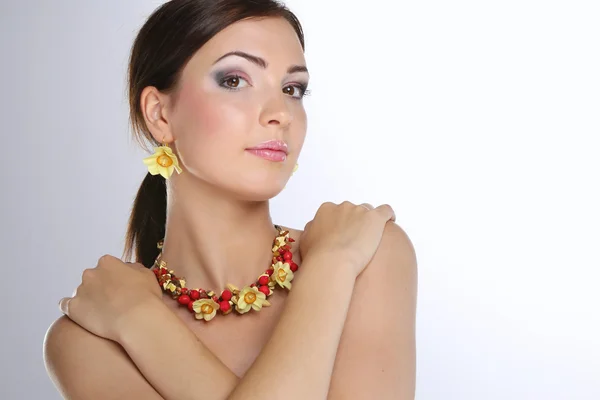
{"x": 209, "y": 83}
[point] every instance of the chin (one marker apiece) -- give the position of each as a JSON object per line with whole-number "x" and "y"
{"x": 259, "y": 192}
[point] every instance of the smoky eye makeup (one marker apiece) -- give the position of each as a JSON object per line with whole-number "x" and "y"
{"x": 222, "y": 75}
{"x": 301, "y": 86}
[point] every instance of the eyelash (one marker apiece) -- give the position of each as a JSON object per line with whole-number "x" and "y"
{"x": 303, "y": 88}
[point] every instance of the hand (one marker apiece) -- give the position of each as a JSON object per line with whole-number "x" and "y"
{"x": 108, "y": 294}
{"x": 351, "y": 232}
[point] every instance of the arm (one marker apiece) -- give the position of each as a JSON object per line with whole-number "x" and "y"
{"x": 298, "y": 360}
{"x": 305, "y": 340}
{"x": 83, "y": 366}
{"x": 376, "y": 358}
{"x": 312, "y": 304}
{"x": 304, "y": 343}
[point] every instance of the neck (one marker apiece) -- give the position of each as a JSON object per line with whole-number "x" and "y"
{"x": 213, "y": 239}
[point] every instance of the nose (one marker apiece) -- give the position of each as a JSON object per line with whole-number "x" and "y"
{"x": 276, "y": 112}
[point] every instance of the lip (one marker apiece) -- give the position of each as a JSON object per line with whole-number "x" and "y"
{"x": 276, "y": 145}
{"x": 268, "y": 154}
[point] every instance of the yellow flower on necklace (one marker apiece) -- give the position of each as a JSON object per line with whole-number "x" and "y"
{"x": 282, "y": 274}
{"x": 162, "y": 162}
{"x": 170, "y": 286}
{"x": 279, "y": 241}
{"x": 205, "y": 309}
{"x": 250, "y": 298}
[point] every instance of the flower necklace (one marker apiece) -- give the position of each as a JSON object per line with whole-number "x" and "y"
{"x": 205, "y": 304}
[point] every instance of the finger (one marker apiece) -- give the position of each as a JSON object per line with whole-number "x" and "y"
{"x": 387, "y": 212}
{"x": 325, "y": 206}
{"x": 63, "y": 305}
{"x": 87, "y": 274}
{"x": 134, "y": 265}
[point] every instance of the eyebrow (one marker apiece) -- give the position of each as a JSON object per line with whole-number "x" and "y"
{"x": 260, "y": 61}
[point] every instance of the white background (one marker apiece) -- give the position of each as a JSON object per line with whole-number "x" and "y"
{"x": 478, "y": 121}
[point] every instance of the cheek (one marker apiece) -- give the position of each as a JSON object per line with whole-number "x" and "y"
{"x": 214, "y": 113}
{"x": 209, "y": 128}
{"x": 201, "y": 116}
{"x": 300, "y": 127}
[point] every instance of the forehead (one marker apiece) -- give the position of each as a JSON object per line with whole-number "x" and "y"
{"x": 273, "y": 39}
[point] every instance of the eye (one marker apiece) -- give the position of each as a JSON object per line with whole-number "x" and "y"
{"x": 232, "y": 82}
{"x": 297, "y": 91}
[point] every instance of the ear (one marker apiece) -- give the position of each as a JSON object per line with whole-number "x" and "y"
{"x": 154, "y": 107}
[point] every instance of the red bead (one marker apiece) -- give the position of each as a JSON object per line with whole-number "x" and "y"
{"x": 279, "y": 258}
{"x": 163, "y": 271}
{"x": 184, "y": 299}
{"x": 263, "y": 280}
{"x": 269, "y": 272}
{"x": 156, "y": 272}
{"x": 264, "y": 289}
{"x": 225, "y": 306}
{"x": 190, "y": 306}
{"x": 291, "y": 240}
{"x": 195, "y": 295}
{"x": 226, "y": 295}
{"x": 203, "y": 294}
{"x": 184, "y": 290}
{"x": 293, "y": 267}
{"x": 287, "y": 256}
{"x": 253, "y": 285}
{"x": 215, "y": 298}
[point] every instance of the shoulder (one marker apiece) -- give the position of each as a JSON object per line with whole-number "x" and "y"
{"x": 85, "y": 366}
{"x": 68, "y": 352}
{"x": 391, "y": 276}
{"x": 383, "y": 309}
{"x": 396, "y": 249}
{"x": 60, "y": 344}
{"x": 61, "y": 339}
{"x": 392, "y": 273}
{"x": 64, "y": 338}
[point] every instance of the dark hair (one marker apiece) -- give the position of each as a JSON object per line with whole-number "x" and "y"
{"x": 165, "y": 43}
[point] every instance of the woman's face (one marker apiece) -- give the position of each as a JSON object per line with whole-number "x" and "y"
{"x": 225, "y": 105}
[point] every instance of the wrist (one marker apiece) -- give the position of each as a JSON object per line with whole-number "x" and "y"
{"x": 334, "y": 261}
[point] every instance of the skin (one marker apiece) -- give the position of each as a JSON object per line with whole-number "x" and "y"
{"x": 220, "y": 201}
{"x": 351, "y": 335}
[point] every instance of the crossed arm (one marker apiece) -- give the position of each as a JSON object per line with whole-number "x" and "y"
{"x": 361, "y": 344}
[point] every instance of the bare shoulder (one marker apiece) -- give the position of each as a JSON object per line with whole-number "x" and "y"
{"x": 62, "y": 338}
{"x": 396, "y": 243}
{"x": 392, "y": 273}
{"x": 85, "y": 366}
{"x": 382, "y": 309}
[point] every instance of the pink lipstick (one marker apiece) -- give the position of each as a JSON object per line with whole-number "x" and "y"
{"x": 272, "y": 150}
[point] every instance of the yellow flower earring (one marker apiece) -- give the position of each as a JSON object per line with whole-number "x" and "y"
{"x": 294, "y": 170}
{"x": 162, "y": 162}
